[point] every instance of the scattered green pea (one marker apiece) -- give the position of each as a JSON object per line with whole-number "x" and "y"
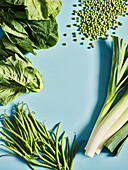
{"x": 83, "y": 38}
{"x": 64, "y": 44}
{"x": 69, "y": 25}
{"x": 66, "y": 34}
{"x": 98, "y": 16}
{"x": 75, "y": 5}
{"x": 82, "y": 43}
{"x": 74, "y": 18}
{"x": 75, "y": 39}
{"x": 91, "y": 44}
{"x": 120, "y": 23}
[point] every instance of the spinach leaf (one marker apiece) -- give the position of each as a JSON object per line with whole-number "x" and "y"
{"x": 43, "y": 33}
{"x": 30, "y": 23}
{"x": 34, "y": 9}
{"x": 16, "y": 77}
{"x": 40, "y": 34}
{"x": 8, "y": 49}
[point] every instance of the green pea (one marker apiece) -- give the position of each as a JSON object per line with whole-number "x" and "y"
{"x": 114, "y": 33}
{"x": 75, "y": 40}
{"x": 66, "y": 34}
{"x": 82, "y": 43}
{"x": 64, "y": 44}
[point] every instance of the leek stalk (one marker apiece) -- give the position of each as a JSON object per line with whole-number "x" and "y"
{"x": 118, "y": 80}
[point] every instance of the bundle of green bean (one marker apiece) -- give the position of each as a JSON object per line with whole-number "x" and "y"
{"x": 30, "y": 140}
{"x": 98, "y": 16}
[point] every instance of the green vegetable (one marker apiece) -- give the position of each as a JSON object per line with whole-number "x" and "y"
{"x": 66, "y": 34}
{"x": 30, "y": 24}
{"x": 120, "y": 23}
{"x": 32, "y": 10}
{"x": 82, "y": 43}
{"x": 64, "y": 44}
{"x": 31, "y": 141}
{"x": 17, "y": 75}
{"x": 8, "y": 49}
{"x": 116, "y": 142}
{"x": 118, "y": 80}
{"x": 96, "y": 16}
{"x": 30, "y": 34}
{"x": 27, "y": 25}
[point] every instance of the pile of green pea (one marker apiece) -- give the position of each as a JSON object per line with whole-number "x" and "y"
{"x": 98, "y": 16}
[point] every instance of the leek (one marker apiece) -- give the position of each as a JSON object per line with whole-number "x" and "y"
{"x": 118, "y": 80}
{"x": 116, "y": 142}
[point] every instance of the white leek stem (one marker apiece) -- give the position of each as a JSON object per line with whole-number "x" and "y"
{"x": 115, "y": 127}
{"x": 106, "y": 124}
{"x": 102, "y": 115}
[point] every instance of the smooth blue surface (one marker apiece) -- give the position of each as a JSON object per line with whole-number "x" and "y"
{"x": 75, "y": 83}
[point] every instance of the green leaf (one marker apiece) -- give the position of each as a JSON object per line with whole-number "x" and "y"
{"x": 9, "y": 47}
{"x": 36, "y": 34}
{"x": 16, "y": 77}
{"x": 14, "y": 25}
{"x": 34, "y": 9}
{"x": 44, "y": 34}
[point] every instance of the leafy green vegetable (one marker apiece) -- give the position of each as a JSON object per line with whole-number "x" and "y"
{"x": 30, "y": 34}
{"x": 118, "y": 80}
{"x": 31, "y": 141}
{"x": 8, "y": 49}
{"x": 33, "y": 10}
{"x": 16, "y": 77}
{"x": 27, "y": 24}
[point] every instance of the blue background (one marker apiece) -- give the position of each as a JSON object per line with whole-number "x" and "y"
{"x": 75, "y": 84}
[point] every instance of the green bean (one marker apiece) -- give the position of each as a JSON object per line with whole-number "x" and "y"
{"x": 18, "y": 136}
{"x": 73, "y": 147}
{"x": 57, "y": 155}
{"x": 30, "y": 134}
{"x": 12, "y": 141}
{"x": 62, "y": 150}
{"x": 35, "y": 122}
{"x": 49, "y": 146}
{"x": 47, "y": 133}
{"x": 5, "y": 139}
{"x": 77, "y": 147}
{"x": 19, "y": 153}
{"x": 20, "y": 125}
{"x": 31, "y": 126}
{"x": 45, "y": 160}
{"x": 67, "y": 154}
{"x": 5, "y": 118}
{"x": 50, "y": 156}
{"x": 39, "y": 164}
{"x": 9, "y": 155}
{"x": 39, "y": 144}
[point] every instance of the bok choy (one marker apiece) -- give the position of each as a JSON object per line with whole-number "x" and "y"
{"x": 109, "y": 123}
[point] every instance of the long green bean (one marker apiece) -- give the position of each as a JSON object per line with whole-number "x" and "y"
{"x": 31, "y": 141}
